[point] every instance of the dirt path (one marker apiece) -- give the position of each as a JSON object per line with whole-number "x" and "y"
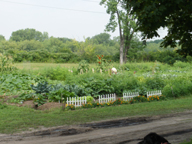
{"x": 175, "y": 128}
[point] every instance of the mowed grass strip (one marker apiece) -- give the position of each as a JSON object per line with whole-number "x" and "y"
{"x": 37, "y": 66}
{"x": 14, "y": 119}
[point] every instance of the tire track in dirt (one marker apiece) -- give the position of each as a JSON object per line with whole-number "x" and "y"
{"x": 175, "y": 128}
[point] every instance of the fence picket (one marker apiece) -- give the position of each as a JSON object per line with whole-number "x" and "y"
{"x": 128, "y": 96}
{"x": 106, "y": 98}
{"x": 152, "y": 93}
{"x": 76, "y": 101}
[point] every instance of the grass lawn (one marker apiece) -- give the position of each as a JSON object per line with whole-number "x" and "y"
{"x": 190, "y": 142}
{"x": 14, "y": 119}
{"x": 37, "y": 66}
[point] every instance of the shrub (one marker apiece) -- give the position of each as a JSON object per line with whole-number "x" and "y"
{"x": 83, "y": 65}
{"x": 177, "y": 88}
{"x": 181, "y": 64}
{"x": 155, "y": 82}
{"x": 58, "y": 73}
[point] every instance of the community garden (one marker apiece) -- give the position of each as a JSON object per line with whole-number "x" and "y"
{"x": 44, "y": 83}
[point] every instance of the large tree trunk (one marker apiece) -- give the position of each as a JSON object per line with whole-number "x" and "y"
{"x": 121, "y": 51}
{"x": 126, "y": 53}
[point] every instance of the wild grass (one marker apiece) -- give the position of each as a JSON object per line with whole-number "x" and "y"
{"x": 190, "y": 142}
{"x": 14, "y": 119}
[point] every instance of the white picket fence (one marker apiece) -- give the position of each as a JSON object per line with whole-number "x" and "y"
{"x": 76, "y": 101}
{"x": 152, "y": 93}
{"x": 107, "y": 98}
{"x": 129, "y": 96}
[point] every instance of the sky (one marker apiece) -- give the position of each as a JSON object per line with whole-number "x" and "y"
{"x": 75, "y": 19}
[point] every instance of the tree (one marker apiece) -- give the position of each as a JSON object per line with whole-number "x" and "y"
{"x": 85, "y": 50}
{"x": 176, "y": 15}
{"x": 121, "y": 17}
{"x": 102, "y": 38}
{"x": 2, "y": 38}
{"x": 28, "y": 34}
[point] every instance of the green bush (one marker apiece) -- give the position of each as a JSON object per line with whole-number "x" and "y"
{"x": 180, "y": 64}
{"x": 177, "y": 88}
{"x": 58, "y": 73}
{"x": 124, "y": 82}
{"x": 154, "y": 82}
{"x": 84, "y": 66}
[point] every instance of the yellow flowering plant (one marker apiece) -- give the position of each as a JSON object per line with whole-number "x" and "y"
{"x": 70, "y": 107}
{"x": 39, "y": 99}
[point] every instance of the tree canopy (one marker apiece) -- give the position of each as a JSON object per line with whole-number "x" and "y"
{"x": 176, "y": 15}
{"x": 28, "y": 34}
{"x": 2, "y": 37}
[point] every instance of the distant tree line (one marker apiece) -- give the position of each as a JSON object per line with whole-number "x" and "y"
{"x": 34, "y": 46}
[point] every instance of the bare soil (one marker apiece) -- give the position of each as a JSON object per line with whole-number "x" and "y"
{"x": 176, "y": 128}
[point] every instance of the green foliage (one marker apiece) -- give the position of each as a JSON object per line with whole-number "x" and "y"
{"x": 41, "y": 88}
{"x": 189, "y": 59}
{"x": 83, "y": 65}
{"x": 60, "y": 95}
{"x": 39, "y": 99}
{"x": 177, "y": 88}
{"x": 124, "y": 82}
{"x": 138, "y": 99}
{"x": 121, "y": 17}
{"x": 25, "y": 96}
{"x": 58, "y": 73}
{"x": 6, "y": 63}
{"x": 28, "y": 34}
{"x": 143, "y": 89}
{"x": 190, "y": 142}
{"x": 12, "y": 83}
{"x": 2, "y": 38}
{"x": 103, "y": 64}
{"x": 154, "y": 82}
{"x": 89, "y": 99}
{"x": 2, "y": 106}
{"x": 76, "y": 89}
{"x": 180, "y": 64}
{"x": 96, "y": 87}
{"x": 153, "y": 15}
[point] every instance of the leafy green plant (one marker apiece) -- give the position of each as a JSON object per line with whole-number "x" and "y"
{"x": 39, "y": 99}
{"x": 58, "y": 73}
{"x": 6, "y": 63}
{"x": 97, "y": 86}
{"x": 16, "y": 83}
{"x": 60, "y": 95}
{"x": 78, "y": 90}
{"x": 42, "y": 87}
{"x": 89, "y": 99}
{"x": 155, "y": 82}
{"x": 25, "y": 96}
{"x": 181, "y": 64}
{"x": 102, "y": 64}
{"x": 83, "y": 65}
